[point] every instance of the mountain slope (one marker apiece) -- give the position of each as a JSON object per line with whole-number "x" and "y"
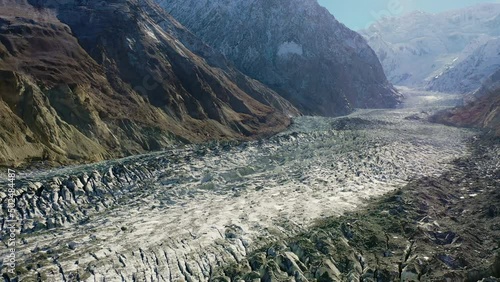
{"x": 466, "y": 75}
{"x": 481, "y": 110}
{"x": 44, "y": 89}
{"x": 489, "y": 85}
{"x": 295, "y": 47}
{"x": 439, "y": 51}
{"x": 103, "y": 81}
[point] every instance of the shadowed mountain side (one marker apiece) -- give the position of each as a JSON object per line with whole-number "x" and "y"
{"x": 297, "y": 48}
{"x": 115, "y": 84}
{"x": 481, "y": 108}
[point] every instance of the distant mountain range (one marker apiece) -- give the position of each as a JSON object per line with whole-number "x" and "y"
{"x": 456, "y": 52}
{"x": 85, "y": 80}
{"x": 453, "y": 51}
{"x": 481, "y": 109}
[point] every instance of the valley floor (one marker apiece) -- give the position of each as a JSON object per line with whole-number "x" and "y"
{"x": 236, "y": 211}
{"x": 436, "y": 228}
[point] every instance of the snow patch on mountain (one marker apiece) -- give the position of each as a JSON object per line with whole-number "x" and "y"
{"x": 290, "y": 48}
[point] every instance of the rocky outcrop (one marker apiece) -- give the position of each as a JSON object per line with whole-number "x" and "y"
{"x": 295, "y": 47}
{"x": 101, "y": 81}
{"x": 490, "y": 85}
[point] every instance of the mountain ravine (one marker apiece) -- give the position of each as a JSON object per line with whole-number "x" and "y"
{"x": 295, "y": 47}
{"x": 83, "y": 82}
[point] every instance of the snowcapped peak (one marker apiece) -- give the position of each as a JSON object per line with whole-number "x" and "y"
{"x": 421, "y": 48}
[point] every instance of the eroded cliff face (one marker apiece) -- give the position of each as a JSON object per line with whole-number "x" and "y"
{"x": 295, "y": 47}
{"x": 46, "y": 91}
{"x": 101, "y": 81}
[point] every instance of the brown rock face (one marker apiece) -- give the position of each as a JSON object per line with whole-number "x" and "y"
{"x": 481, "y": 109}
{"x": 101, "y": 81}
{"x": 296, "y": 47}
{"x": 484, "y": 112}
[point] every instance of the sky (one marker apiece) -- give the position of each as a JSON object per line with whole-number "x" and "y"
{"x": 359, "y": 14}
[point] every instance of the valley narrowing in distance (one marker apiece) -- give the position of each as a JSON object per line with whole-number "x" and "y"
{"x": 174, "y": 141}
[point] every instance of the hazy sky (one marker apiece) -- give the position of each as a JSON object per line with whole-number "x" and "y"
{"x": 358, "y": 14}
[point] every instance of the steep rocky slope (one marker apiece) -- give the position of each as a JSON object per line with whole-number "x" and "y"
{"x": 483, "y": 112}
{"x": 451, "y": 51}
{"x": 295, "y": 47}
{"x": 489, "y": 85}
{"x": 439, "y": 228}
{"x": 481, "y": 108}
{"x": 45, "y": 89}
{"x": 106, "y": 80}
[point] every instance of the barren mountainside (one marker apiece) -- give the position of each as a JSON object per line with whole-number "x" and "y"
{"x": 297, "y": 48}
{"x": 482, "y": 109}
{"x": 101, "y": 81}
{"x": 468, "y": 74}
